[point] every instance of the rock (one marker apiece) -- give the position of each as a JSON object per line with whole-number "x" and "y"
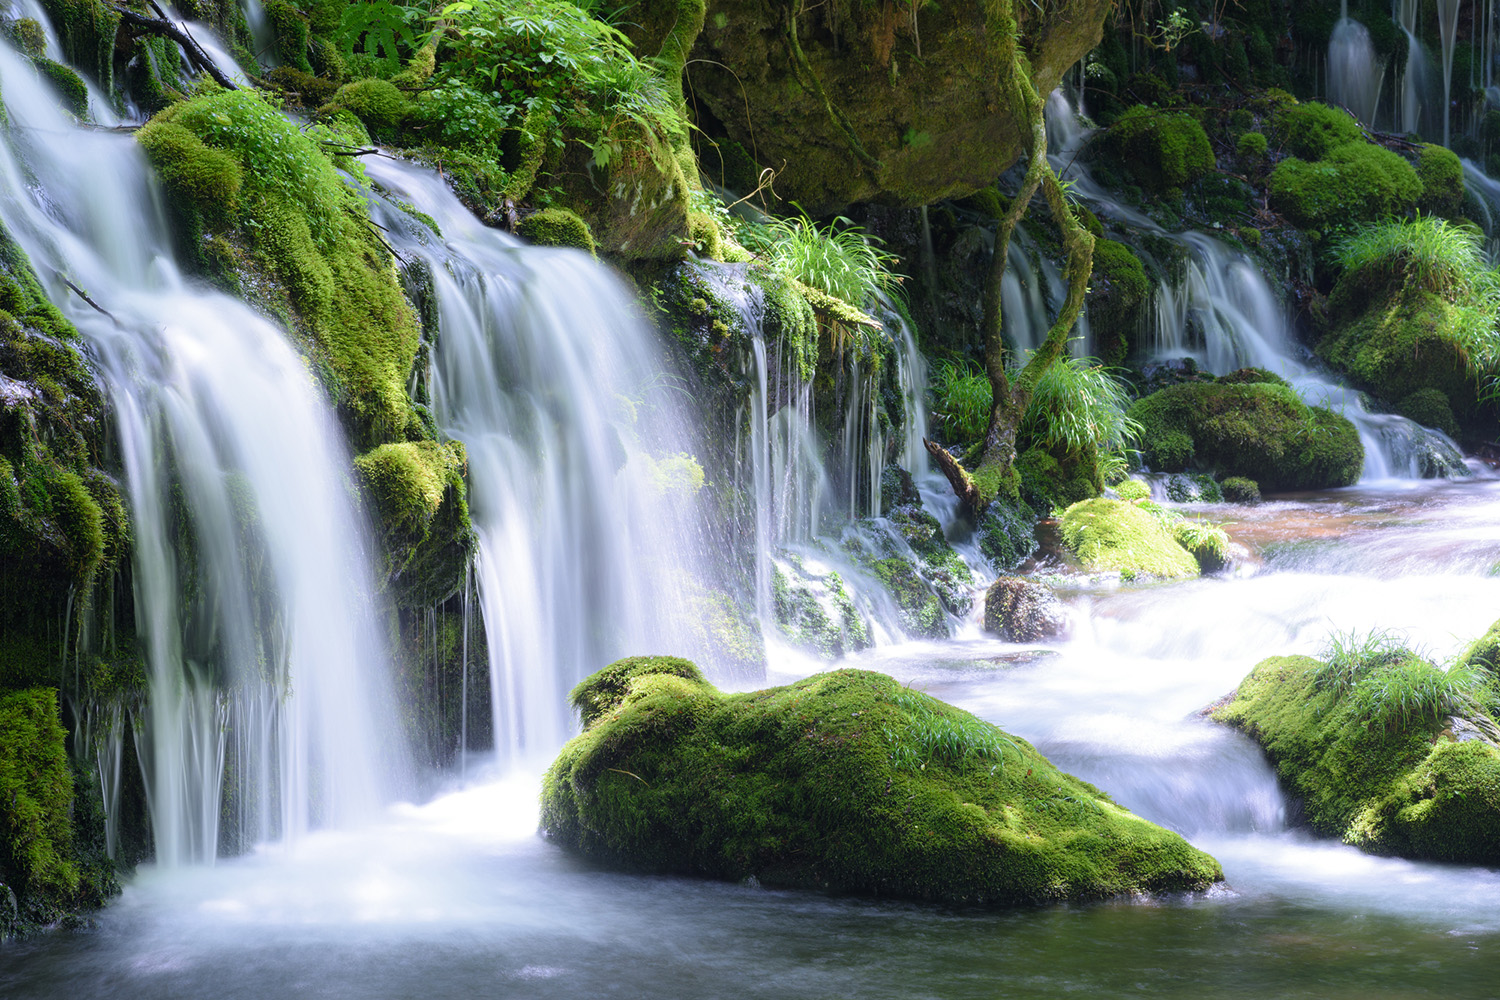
{"x": 1384, "y": 779}
{"x": 1019, "y": 610}
{"x": 1107, "y": 534}
{"x": 843, "y": 782}
{"x": 1260, "y": 430}
{"x": 917, "y": 88}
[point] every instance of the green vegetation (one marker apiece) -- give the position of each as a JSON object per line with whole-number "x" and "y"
{"x": 1160, "y": 149}
{"x": 1112, "y": 535}
{"x": 843, "y": 782}
{"x": 295, "y": 218}
{"x": 1252, "y": 147}
{"x": 558, "y": 227}
{"x": 421, "y": 504}
{"x": 1356, "y": 182}
{"x": 1258, "y": 430}
{"x": 1312, "y": 130}
{"x": 1442, "y": 176}
{"x": 1021, "y": 610}
{"x": 1238, "y": 489}
{"x": 1363, "y": 738}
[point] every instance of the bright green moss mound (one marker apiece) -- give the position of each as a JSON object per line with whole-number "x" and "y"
{"x": 1257, "y": 430}
{"x": 377, "y": 103}
{"x": 1311, "y": 131}
{"x": 70, "y": 86}
{"x": 844, "y": 782}
{"x": 1405, "y": 788}
{"x": 1442, "y": 176}
{"x": 1238, "y": 489}
{"x": 557, "y": 227}
{"x": 1402, "y": 345}
{"x": 1161, "y": 149}
{"x": 299, "y": 223}
{"x": 1113, "y": 535}
{"x": 421, "y": 503}
{"x": 1356, "y": 182}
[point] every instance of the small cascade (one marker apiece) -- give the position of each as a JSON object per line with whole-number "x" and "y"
{"x": 1448, "y": 31}
{"x": 265, "y": 715}
{"x": 1415, "y": 91}
{"x": 1221, "y": 312}
{"x": 582, "y": 491}
{"x": 1355, "y": 77}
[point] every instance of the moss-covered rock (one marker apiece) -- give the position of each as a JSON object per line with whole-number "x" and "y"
{"x": 1388, "y": 784}
{"x": 40, "y": 859}
{"x": 941, "y": 566}
{"x": 1238, "y": 489}
{"x": 1159, "y": 149}
{"x": 1007, "y": 533}
{"x": 858, "y": 102}
{"x": 1259, "y": 430}
{"x": 1312, "y": 130}
{"x": 816, "y": 612}
{"x": 304, "y": 235}
{"x": 68, "y": 84}
{"x": 1442, "y": 175}
{"x": 1113, "y": 535}
{"x": 377, "y": 103}
{"x": 86, "y": 32}
{"x": 1020, "y": 610}
{"x": 1046, "y": 483}
{"x": 844, "y": 782}
{"x": 1356, "y": 182}
{"x": 1429, "y": 407}
{"x": 557, "y": 227}
{"x": 420, "y": 501}
{"x": 1118, "y": 290}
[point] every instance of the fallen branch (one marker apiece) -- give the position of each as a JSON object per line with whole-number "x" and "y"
{"x": 963, "y": 485}
{"x": 169, "y": 29}
{"x": 85, "y": 297}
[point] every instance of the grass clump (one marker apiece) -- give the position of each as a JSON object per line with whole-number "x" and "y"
{"x": 843, "y": 782}
{"x": 1362, "y": 738}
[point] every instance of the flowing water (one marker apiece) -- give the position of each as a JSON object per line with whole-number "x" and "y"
{"x": 459, "y": 897}
{"x": 253, "y": 593}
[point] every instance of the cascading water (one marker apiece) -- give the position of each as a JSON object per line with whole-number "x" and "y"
{"x": 1221, "y": 312}
{"x": 1448, "y": 31}
{"x": 1416, "y": 78}
{"x": 590, "y": 546}
{"x": 258, "y": 632}
{"x": 1355, "y": 78}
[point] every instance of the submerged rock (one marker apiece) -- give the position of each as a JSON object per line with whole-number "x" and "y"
{"x": 845, "y": 781}
{"x": 1023, "y": 611}
{"x": 1373, "y": 751}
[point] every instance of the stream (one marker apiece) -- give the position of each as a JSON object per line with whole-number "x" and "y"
{"x": 459, "y": 896}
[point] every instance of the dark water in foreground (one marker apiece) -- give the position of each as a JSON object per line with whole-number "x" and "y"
{"x": 459, "y": 898}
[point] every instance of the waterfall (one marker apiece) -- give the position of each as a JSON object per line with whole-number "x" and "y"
{"x": 591, "y": 542}
{"x": 1448, "y": 30}
{"x": 1355, "y": 78}
{"x": 1221, "y": 311}
{"x": 253, "y": 594}
{"x": 1415, "y": 78}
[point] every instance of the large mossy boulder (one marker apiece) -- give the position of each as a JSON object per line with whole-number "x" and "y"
{"x": 1260, "y": 430}
{"x": 1159, "y": 150}
{"x": 1355, "y": 182}
{"x": 880, "y": 102}
{"x": 843, "y": 782}
{"x": 420, "y": 503}
{"x": 1109, "y": 535}
{"x": 1379, "y": 751}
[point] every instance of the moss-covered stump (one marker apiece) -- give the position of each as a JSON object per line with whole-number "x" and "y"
{"x": 1117, "y": 536}
{"x": 879, "y": 102}
{"x": 1422, "y": 784}
{"x": 1256, "y": 430}
{"x": 421, "y": 504}
{"x": 1020, "y": 610}
{"x": 844, "y": 782}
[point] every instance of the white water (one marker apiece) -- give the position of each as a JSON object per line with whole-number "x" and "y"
{"x": 1448, "y": 32}
{"x": 547, "y": 372}
{"x": 1222, "y": 312}
{"x": 263, "y": 646}
{"x": 1355, "y": 78}
{"x": 1416, "y": 79}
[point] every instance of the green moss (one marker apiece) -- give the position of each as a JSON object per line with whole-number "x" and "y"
{"x": 920, "y": 608}
{"x": 1007, "y": 533}
{"x": 802, "y": 617}
{"x": 1429, "y": 407}
{"x": 1160, "y": 149}
{"x": 557, "y": 227}
{"x": 1112, "y": 535}
{"x": 376, "y": 103}
{"x": 86, "y": 31}
{"x": 69, "y": 85}
{"x": 1252, "y": 147}
{"x": 1238, "y": 489}
{"x": 1355, "y": 182}
{"x": 1442, "y": 176}
{"x": 1259, "y": 430}
{"x": 1047, "y": 483}
{"x": 301, "y": 225}
{"x": 290, "y": 28}
{"x": 421, "y": 502}
{"x": 1311, "y": 131}
{"x": 36, "y": 796}
{"x": 302, "y": 89}
{"x": 28, "y": 35}
{"x": 1118, "y": 290}
{"x": 1402, "y": 344}
{"x": 1403, "y": 788}
{"x": 844, "y": 782}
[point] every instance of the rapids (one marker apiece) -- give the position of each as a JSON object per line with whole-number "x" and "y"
{"x": 459, "y": 896}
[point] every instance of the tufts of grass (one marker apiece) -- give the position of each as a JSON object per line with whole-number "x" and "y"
{"x": 1347, "y": 657}
{"x": 838, "y": 259}
{"x": 930, "y": 736}
{"x": 961, "y": 399}
{"x": 1078, "y": 403}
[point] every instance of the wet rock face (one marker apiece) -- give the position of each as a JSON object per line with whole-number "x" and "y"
{"x": 914, "y": 108}
{"x": 1023, "y": 611}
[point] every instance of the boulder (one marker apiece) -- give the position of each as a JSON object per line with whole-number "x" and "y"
{"x": 1113, "y": 535}
{"x": 1020, "y": 610}
{"x": 845, "y": 782}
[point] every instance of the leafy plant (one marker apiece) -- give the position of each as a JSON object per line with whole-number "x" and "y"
{"x": 1079, "y": 403}
{"x": 961, "y": 399}
{"x": 379, "y": 29}
{"x": 839, "y": 259}
{"x": 1347, "y": 657}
